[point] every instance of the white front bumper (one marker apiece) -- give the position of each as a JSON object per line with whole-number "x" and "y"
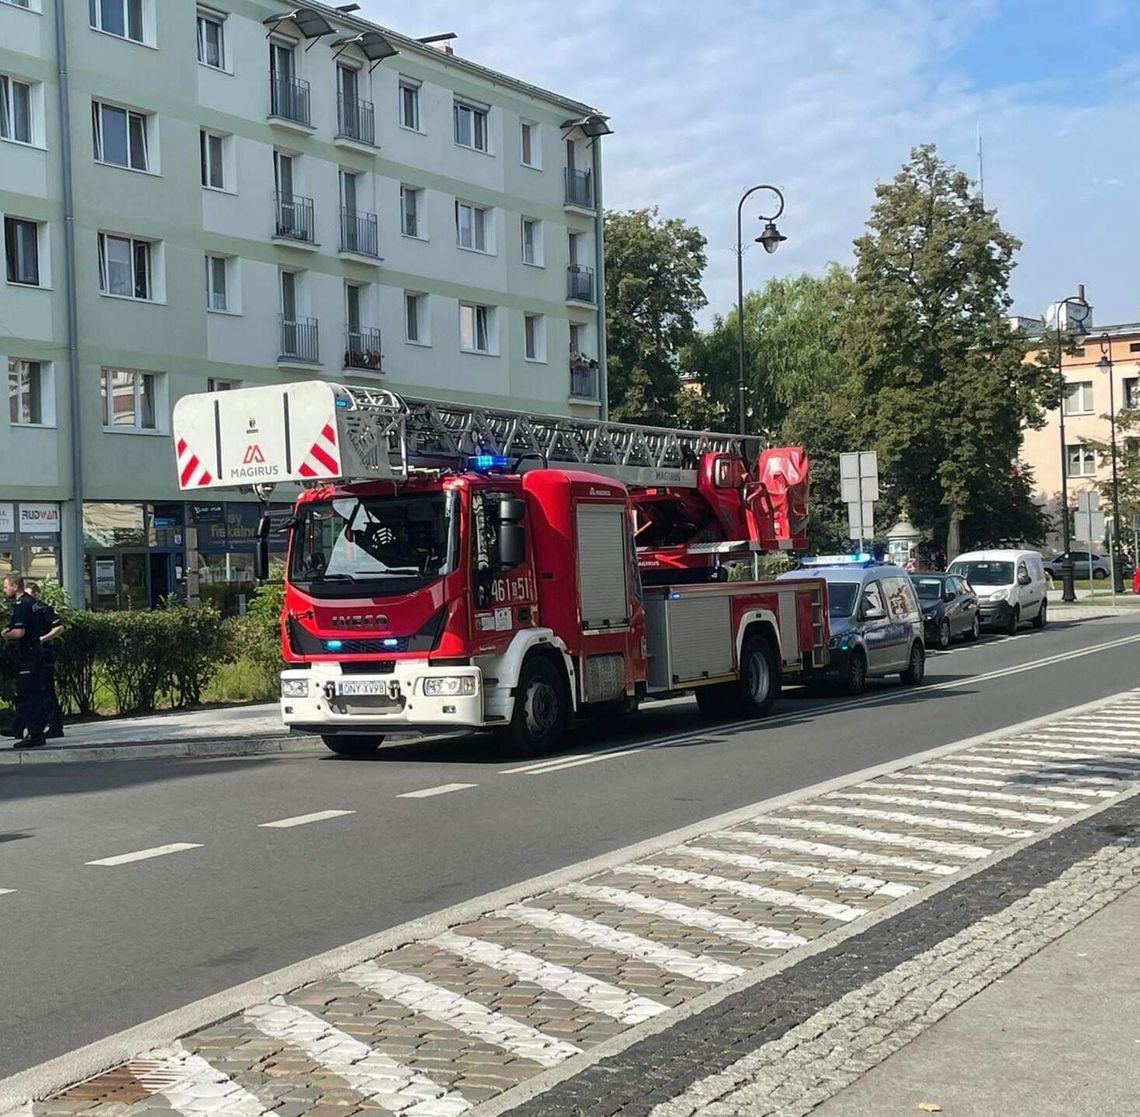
{"x": 401, "y": 706}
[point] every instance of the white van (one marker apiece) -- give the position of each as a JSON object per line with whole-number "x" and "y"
{"x": 1010, "y": 586}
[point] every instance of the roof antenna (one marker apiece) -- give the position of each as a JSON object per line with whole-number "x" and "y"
{"x": 981, "y": 171}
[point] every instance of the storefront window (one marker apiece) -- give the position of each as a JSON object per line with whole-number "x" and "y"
{"x": 30, "y": 539}
{"x": 113, "y": 525}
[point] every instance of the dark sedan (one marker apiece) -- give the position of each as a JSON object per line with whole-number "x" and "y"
{"x": 949, "y": 608}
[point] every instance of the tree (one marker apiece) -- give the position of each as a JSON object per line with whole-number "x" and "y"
{"x": 1127, "y": 469}
{"x": 930, "y": 336}
{"x": 653, "y": 292}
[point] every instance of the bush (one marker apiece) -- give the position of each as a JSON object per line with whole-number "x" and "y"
{"x": 257, "y": 636}
{"x": 202, "y": 643}
{"x": 84, "y": 647}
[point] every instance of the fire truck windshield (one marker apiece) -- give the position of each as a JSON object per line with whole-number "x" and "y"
{"x": 385, "y": 545}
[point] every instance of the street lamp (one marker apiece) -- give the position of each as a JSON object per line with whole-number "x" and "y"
{"x": 1105, "y": 365}
{"x": 770, "y": 238}
{"x": 1076, "y": 308}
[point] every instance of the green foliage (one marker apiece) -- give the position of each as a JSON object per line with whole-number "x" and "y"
{"x": 202, "y": 641}
{"x": 84, "y": 647}
{"x": 257, "y": 636}
{"x": 241, "y": 681}
{"x": 1127, "y": 469}
{"x": 653, "y": 292}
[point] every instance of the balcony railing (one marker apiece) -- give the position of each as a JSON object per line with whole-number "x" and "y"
{"x": 580, "y": 283}
{"x": 579, "y": 188}
{"x": 289, "y": 99}
{"x": 362, "y": 349}
{"x": 359, "y": 233}
{"x": 293, "y": 217}
{"x": 355, "y": 120}
{"x": 299, "y": 341}
{"x": 583, "y": 380}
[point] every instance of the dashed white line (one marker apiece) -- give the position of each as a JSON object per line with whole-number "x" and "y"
{"x": 1057, "y": 752}
{"x": 696, "y": 967}
{"x": 191, "y": 1086}
{"x": 1062, "y": 782}
{"x": 430, "y": 792}
{"x": 884, "y": 837}
{"x": 1070, "y": 765}
{"x": 146, "y": 854}
{"x": 936, "y": 785}
{"x": 909, "y": 819}
{"x": 302, "y": 820}
{"x": 6, "y": 891}
{"x": 944, "y": 805}
{"x": 838, "y": 853}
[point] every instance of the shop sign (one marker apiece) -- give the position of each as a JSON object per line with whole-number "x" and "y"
{"x": 106, "y": 585}
{"x": 39, "y": 523}
{"x": 7, "y": 522}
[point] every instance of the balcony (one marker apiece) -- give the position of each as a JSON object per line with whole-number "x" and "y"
{"x": 579, "y": 284}
{"x": 359, "y": 233}
{"x": 579, "y": 189}
{"x": 583, "y": 380}
{"x": 362, "y": 349}
{"x": 289, "y": 100}
{"x": 299, "y": 341}
{"x": 293, "y": 218}
{"x": 355, "y": 120}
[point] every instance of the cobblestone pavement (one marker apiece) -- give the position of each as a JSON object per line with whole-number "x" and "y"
{"x": 439, "y": 1026}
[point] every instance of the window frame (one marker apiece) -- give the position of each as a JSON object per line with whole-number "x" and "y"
{"x": 205, "y": 135}
{"x": 211, "y": 259}
{"x": 480, "y": 122}
{"x": 1082, "y": 390}
{"x": 538, "y": 247}
{"x": 489, "y": 329}
{"x": 1087, "y": 458}
{"x": 8, "y": 110}
{"x": 483, "y": 223}
{"x": 534, "y": 338}
{"x": 221, "y": 384}
{"x": 95, "y": 20}
{"x": 45, "y": 392}
{"x": 12, "y": 221}
{"x": 409, "y": 85}
{"x": 419, "y": 194}
{"x": 423, "y": 323}
{"x": 158, "y": 385}
{"x": 207, "y": 16}
{"x": 152, "y": 267}
{"x": 149, "y": 136}
{"x": 535, "y": 142}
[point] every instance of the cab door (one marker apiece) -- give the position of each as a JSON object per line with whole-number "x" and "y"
{"x": 904, "y": 612}
{"x": 876, "y": 625}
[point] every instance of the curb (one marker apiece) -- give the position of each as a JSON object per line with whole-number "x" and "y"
{"x": 158, "y": 750}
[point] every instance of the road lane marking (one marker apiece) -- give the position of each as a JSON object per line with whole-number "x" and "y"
{"x": 1079, "y": 756}
{"x": 302, "y": 820}
{"x": 790, "y": 869}
{"x": 975, "y": 793}
{"x": 778, "y": 897}
{"x": 1130, "y": 744}
{"x": 945, "y": 805}
{"x": 430, "y": 792}
{"x": 905, "y": 817}
{"x": 727, "y": 926}
{"x": 589, "y": 992}
{"x": 696, "y": 967}
{"x": 1068, "y": 764}
{"x": 461, "y": 1013}
{"x": 1042, "y": 781}
{"x": 192, "y": 1087}
{"x": 839, "y": 853}
{"x": 882, "y": 837}
{"x": 369, "y": 1072}
{"x": 6, "y": 891}
{"x": 146, "y": 854}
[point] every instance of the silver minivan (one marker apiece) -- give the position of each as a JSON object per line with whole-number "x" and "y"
{"x": 1011, "y": 587}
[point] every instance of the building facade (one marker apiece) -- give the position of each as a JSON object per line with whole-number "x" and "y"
{"x": 253, "y": 191}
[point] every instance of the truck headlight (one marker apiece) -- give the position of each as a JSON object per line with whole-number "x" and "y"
{"x": 294, "y": 688}
{"x": 449, "y": 686}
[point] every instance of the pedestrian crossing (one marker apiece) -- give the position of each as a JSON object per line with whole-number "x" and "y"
{"x": 437, "y": 1026}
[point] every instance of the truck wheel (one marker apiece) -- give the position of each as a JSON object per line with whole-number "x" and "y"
{"x": 540, "y": 713}
{"x": 717, "y": 702}
{"x": 855, "y": 681}
{"x": 916, "y": 670}
{"x": 353, "y": 746}
{"x": 759, "y": 685}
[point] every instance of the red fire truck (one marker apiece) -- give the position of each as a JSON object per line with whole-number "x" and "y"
{"x": 458, "y": 567}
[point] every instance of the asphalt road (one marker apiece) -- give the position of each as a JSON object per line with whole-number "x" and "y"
{"x": 90, "y": 949}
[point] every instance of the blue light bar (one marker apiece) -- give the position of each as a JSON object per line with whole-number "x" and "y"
{"x": 836, "y": 560}
{"x": 342, "y": 403}
{"x": 484, "y": 463}
{"x": 333, "y": 645}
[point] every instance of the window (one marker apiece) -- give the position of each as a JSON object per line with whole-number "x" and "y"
{"x": 22, "y": 251}
{"x": 1079, "y": 398}
{"x": 125, "y": 267}
{"x": 411, "y": 212}
{"x": 212, "y": 39}
{"x": 213, "y": 385}
{"x": 130, "y": 400}
{"x": 213, "y": 152}
{"x": 873, "y": 598}
{"x": 1079, "y": 352}
{"x": 409, "y": 104}
{"x": 471, "y": 226}
{"x": 575, "y": 339}
{"x": 19, "y": 3}
{"x": 1080, "y": 461}
{"x": 470, "y": 126}
{"x": 31, "y": 399}
{"x": 476, "y": 323}
{"x": 120, "y": 136}
{"x": 532, "y": 241}
{"x": 534, "y": 331}
{"x": 1131, "y": 392}
{"x": 217, "y": 286}
{"x": 118, "y": 17}
{"x": 15, "y": 110}
{"x": 1134, "y": 347}
{"x": 415, "y": 318}
{"x": 531, "y": 149}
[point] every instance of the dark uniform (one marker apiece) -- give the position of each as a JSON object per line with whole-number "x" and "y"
{"x": 31, "y": 709}
{"x": 48, "y": 620}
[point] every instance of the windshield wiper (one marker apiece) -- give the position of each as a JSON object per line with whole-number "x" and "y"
{"x": 335, "y": 578}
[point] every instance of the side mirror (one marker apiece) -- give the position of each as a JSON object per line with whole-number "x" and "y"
{"x": 870, "y": 613}
{"x": 511, "y": 511}
{"x": 261, "y": 553}
{"x": 948, "y": 596}
{"x": 1024, "y": 580}
{"x": 512, "y": 544}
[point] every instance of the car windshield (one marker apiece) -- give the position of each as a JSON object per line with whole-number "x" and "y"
{"x": 841, "y": 598}
{"x": 929, "y": 589}
{"x": 987, "y": 573}
{"x": 384, "y": 545}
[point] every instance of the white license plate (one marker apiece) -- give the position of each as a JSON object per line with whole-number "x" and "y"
{"x": 363, "y": 687}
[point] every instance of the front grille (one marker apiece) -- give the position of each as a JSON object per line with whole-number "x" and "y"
{"x": 368, "y": 647}
{"x": 372, "y": 667}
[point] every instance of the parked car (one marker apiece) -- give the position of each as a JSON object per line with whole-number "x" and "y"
{"x": 874, "y": 617}
{"x": 949, "y": 608}
{"x": 1010, "y": 586}
{"x": 1083, "y": 561}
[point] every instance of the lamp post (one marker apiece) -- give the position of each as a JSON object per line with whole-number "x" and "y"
{"x": 1105, "y": 365}
{"x": 1076, "y": 308}
{"x": 770, "y": 238}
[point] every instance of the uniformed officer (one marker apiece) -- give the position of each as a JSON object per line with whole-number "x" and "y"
{"x": 25, "y": 630}
{"x": 53, "y": 628}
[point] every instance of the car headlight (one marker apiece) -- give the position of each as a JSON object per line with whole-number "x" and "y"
{"x": 294, "y": 688}
{"x": 449, "y": 686}
{"x": 997, "y": 595}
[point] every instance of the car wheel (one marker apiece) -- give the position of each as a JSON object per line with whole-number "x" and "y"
{"x": 1100, "y": 575}
{"x": 975, "y": 629}
{"x": 1014, "y": 621}
{"x": 944, "y": 635}
{"x": 1042, "y": 618}
{"x": 540, "y": 713}
{"x": 353, "y": 746}
{"x": 855, "y": 681}
{"x": 916, "y": 670}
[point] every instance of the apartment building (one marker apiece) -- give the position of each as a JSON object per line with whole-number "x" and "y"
{"x": 252, "y": 191}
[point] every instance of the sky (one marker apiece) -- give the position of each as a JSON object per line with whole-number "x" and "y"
{"x": 824, "y": 98}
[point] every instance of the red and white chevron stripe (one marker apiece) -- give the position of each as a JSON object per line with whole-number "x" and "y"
{"x": 192, "y": 474}
{"x": 322, "y": 460}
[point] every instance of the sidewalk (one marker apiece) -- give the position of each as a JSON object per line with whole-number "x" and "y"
{"x": 1089, "y": 608}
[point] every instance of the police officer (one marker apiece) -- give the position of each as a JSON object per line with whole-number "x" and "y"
{"x": 53, "y": 628}
{"x": 25, "y": 630}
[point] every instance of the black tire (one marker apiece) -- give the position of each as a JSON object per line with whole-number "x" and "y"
{"x": 916, "y": 671}
{"x": 1100, "y": 575}
{"x": 1013, "y": 622}
{"x": 717, "y": 702}
{"x": 542, "y": 710}
{"x": 944, "y": 634}
{"x": 855, "y": 679}
{"x": 354, "y": 746}
{"x": 759, "y": 684}
{"x": 975, "y": 629}
{"x": 1042, "y": 618}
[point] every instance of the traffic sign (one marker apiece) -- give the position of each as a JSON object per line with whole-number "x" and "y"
{"x": 859, "y": 487}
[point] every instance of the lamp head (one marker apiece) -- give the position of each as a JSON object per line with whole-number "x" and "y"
{"x": 771, "y": 237}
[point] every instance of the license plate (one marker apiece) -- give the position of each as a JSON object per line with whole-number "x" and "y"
{"x": 362, "y": 687}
